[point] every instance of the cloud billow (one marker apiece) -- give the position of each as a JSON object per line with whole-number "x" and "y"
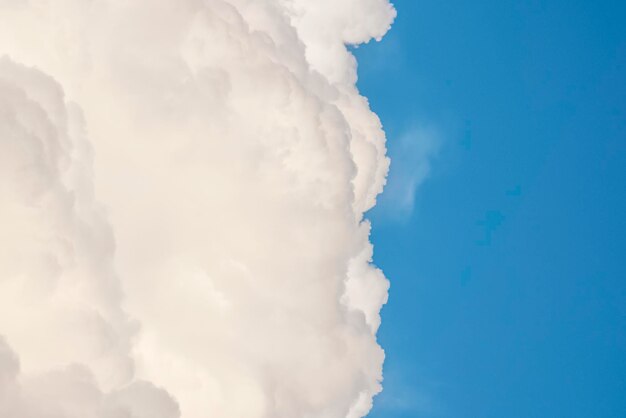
{"x": 183, "y": 186}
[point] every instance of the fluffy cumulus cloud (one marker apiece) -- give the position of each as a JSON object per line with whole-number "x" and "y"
{"x": 182, "y": 190}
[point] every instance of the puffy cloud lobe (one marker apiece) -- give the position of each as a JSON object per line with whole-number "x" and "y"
{"x": 72, "y": 392}
{"x": 60, "y": 298}
{"x": 236, "y": 159}
{"x": 57, "y": 276}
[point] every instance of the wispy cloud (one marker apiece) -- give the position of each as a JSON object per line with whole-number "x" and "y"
{"x": 411, "y": 164}
{"x": 412, "y": 394}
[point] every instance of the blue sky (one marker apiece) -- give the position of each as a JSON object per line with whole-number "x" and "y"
{"x": 503, "y": 229}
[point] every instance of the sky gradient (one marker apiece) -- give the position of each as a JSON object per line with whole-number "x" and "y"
{"x": 507, "y": 270}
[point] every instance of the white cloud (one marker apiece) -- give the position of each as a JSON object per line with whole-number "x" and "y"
{"x": 235, "y": 158}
